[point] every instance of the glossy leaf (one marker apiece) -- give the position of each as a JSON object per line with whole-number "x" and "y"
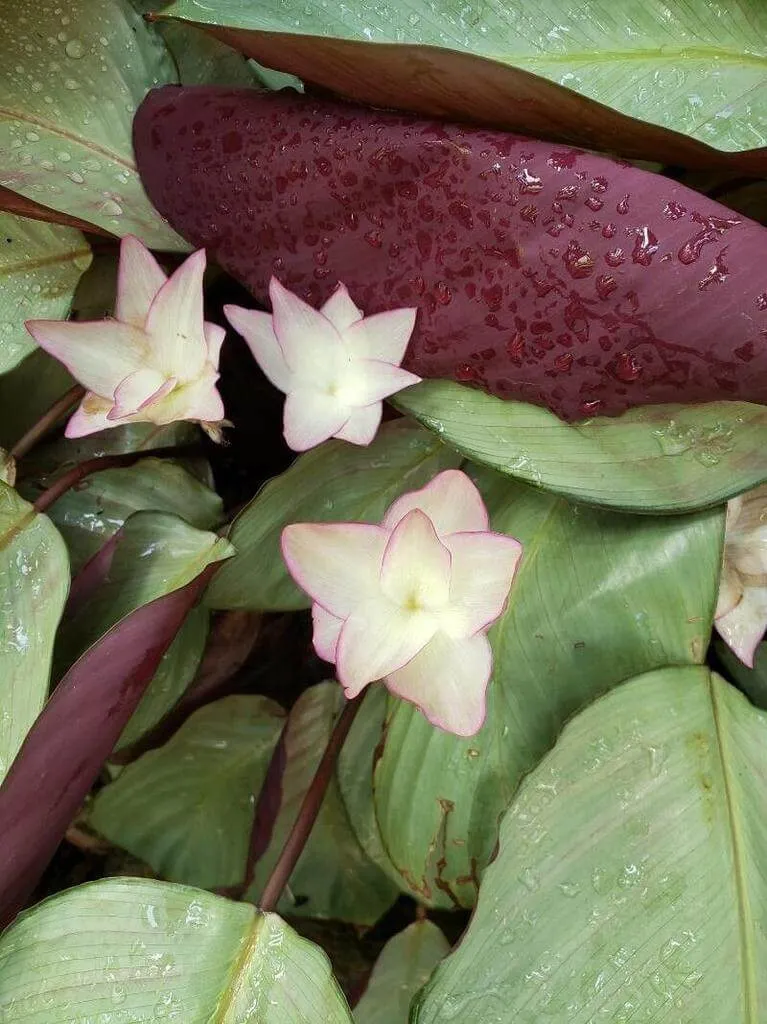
{"x": 73, "y": 79}
{"x": 599, "y": 597}
{"x": 403, "y": 967}
{"x": 335, "y": 482}
{"x": 540, "y": 273}
{"x": 147, "y": 950}
{"x": 333, "y": 877}
{"x": 628, "y": 881}
{"x": 40, "y": 265}
{"x": 662, "y": 458}
{"x": 186, "y": 809}
{"x": 51, "y": 776}
{"x": 680, "y": 67}
{"x": 34, "y": 580}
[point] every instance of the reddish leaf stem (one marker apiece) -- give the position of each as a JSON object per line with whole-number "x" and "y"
{"x": 47, "y": 421}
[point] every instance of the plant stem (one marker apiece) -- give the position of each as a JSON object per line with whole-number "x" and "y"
{"x": 73, "y": 476}
{"x": 310, "y": 808}
{"x": 48, "y": 420}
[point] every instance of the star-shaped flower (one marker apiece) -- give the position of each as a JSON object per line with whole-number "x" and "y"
{"x": 334, "y": 365}
{"x": 156, "y": 361}
{"x": 741, "y": 612}
{"x": 410, "y": 601}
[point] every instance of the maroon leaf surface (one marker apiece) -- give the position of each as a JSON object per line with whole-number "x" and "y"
{"x": 540, "y": 273}
{"x": 73, "y": 736}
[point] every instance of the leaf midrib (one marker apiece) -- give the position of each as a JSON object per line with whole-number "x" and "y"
{"x": 8, "y": 114}
{"x": 8, "y": 269}
{"x": 655, "y": 56}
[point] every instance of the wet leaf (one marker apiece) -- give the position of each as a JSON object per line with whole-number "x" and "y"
{"x": 333, "y": 877}
{"x": 40, "y": 265}
{"x": 154, "y": 950}
{"x": 34, "y": 580}
{"x": 680, "y": 67}
{"x": 666, "y": 458}
{"x": 187, "y": 808}
{"x": 336, "y": 482}
{"x": 74, "y": 76}
{"x": 628, "y": 872}
{"x": 540, "y": 273}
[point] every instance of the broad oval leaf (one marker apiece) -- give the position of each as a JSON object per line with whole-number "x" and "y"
{"x": 143, "y": 950}
{"x": 402, "y": 968}
{"x": 336, "y": 482}
{"x": 74, "y": 76}
{"x": 186, "y": 809}
{"x": 543, "y": 274}
{"x": 599, "y": 598}
{"x": 28, "y": 391}
{"x": 334, "y": 878}
{"x": 680, "y": 67}
{"x": 40, "y": 265}
{"x": 34, "y": 580}
{"x": 665, "y": 458}
{"x": 628, "y": 882}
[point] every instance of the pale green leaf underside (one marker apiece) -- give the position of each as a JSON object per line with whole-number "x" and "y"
{"x": 698, "y": 68}
{"x": 138, "y": 950}
{"x": 630, "y": 883}
{"x": 336, "y": 482}
{"x": 599, "y": 597}
{"x": 40, "y": 265}
{"x": 403, "y": 967}
{"x": 655, "y": 458}
{"x": 34, "y": 581}
{"x": 333, "y": 878}
{"x": 186, "y": 809}
{"x": 74, "y": 74}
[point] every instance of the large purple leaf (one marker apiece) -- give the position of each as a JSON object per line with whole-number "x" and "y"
{"x": 73, "y": 736}
{"x": 540, "y": 272}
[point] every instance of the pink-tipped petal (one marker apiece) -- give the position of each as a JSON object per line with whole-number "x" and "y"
{"x": 98, "y": 353}
{"x": 309, "y": 341}
{"x": 337, "y": 564}
{"x": 340, "y": 310}
{"x": 327, "y": 629}
{"x": 378, "y": 638}
{"x": 742, "y": 628}
{"x": 258, "y": 332}
{"x": 175, "y": 322}
{"x": 91, "y": 416}
{"x": 362, "y": 426}
{"x": 214, "y": 339}
{"x": 312, "y": 417}
{"x": 139, "y": 279}
{"x": 483, "y": 568}
{"x": 370, "y": 380}
{"x": 138, "y": 390}
{"x": 448, "y": 681}
{"x": 415, "y": 572}
{"x": 450, "y": 500}
{"x": 383, "y": 336}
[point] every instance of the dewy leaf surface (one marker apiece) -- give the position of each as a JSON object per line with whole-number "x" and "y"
{"x": 74, "y": 74}
{"x": 149, "y": 951}
{"x": 629, "y": 881}
{"x": 540, "y": 273}
{"x": 40, "y": 265}
{"x": 697, "y": 69}
{"x": 34, "y": 581}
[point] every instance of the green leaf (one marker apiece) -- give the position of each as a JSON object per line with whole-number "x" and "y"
{"x": 29, "y": 390}
{"x": 336, "y": 482}
{"x": 629, "y": 882}
{"x": 333, "y": 877}
{"x": 136, "y": 950}
{"x": 680, "y": 68}
{"x": 74, "y": 75}
{"x": 752, "y": 681}
{"x": 40, "y": 265}
{"x": 656, "y": 458}
{"x": 403, "y": 967}
{"x": 187, "y": 808}
{"x": 34, "y": 580}
{"x": 87, "y": 516}
{"x": 599, "y": 598}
